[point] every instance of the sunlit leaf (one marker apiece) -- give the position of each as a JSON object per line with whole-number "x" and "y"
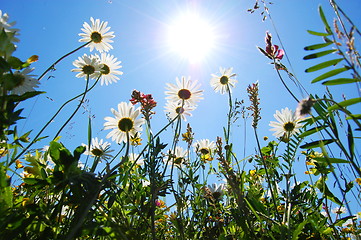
{"x": 330, "y": 74}
{"x": 351, "y": 144}
{"x": 317, "y": 46}
{"x": 330, "y": 160}
{"x": 323, "y": 65}
{"x": 318, "y": 33}
{"x": 317, "y": 143}
{"x": 319, "y": 54}
{"x": 345, "y": 103}
{"x": 311, "y": 131}
{"x": 354, "y": 116}
{"x": 339, "y": 81}
{"x": 324, "y": 20}
{"x": 298, "y": 230}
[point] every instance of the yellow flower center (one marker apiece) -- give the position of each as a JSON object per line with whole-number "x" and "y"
{"x": 96, "y": 37}
{"x": 88, "y": 69}
{"x": 289, "y": 126}
{"x": 105, "y": 69}
{"x": 224, "y": 80}
{"x": 97, "y": 152}
{"x": 125, "y": 124}
{"x": 184, "y": 94}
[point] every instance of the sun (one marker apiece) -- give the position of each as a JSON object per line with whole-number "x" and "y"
{"x": 192, "y": 37}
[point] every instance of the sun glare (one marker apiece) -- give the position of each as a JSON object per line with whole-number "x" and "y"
{"x": 191, "y": 37}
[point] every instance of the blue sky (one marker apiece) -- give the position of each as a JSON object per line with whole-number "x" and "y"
{"x": 50, "y": 29}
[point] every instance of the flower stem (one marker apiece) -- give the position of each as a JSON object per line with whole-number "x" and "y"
{"x": 76, "y": 110}
{"x": 51, "y": 119}
{"x": 57, "y": 61}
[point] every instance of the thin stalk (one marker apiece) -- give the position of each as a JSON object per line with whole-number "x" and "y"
{"x": 267, "y": 174}
{"x": 51, "y": 119}
{"x": 57, "y": 61}
{"x": 76, "y": 110}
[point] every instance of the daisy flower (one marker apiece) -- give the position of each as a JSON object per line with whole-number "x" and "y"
{"x": 217, "y": 190}
{"x": 184, "y": 91}
{"x": 99, "y": 35}
{"x": 8, "y": 26}
{"x": 204, "y": 148}
{"x": 125, "y": 122}
{"x": 173, "y": 109}
{"x": 287, "y": 125}
{"x": 87, "y": 65}
{"x": 224, "y": 82}
{"x": 339, "y": 210}
{"x": 178, "y": 157}
{"x": 99, "y": 149}
{"x": 109, "y": 69}
{"x": 24, "y": 81}
{"x": 135, "y": 156}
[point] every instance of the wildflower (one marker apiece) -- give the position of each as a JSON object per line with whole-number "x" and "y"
{"x": 339, "y": 210}
{"x": 217, "y": 190}
{"x": 188, "y": 135}
{"x": 7, "y": 27}
{"x": 146, "y": 101}
{"x": 358, "y": 181}
{"x": 123, "y": 123}
{"x": 184, "y": 92}
{"x": 287, "y": 125}
{"x": 87, "y": 66}
{"x": 136, "y": 140}
{"x": 134, "y": 157}
{"x": 304, "y": 107}
{"x": 99, "y": 35}
{"x": 273, "y": 51}
{"x": 205, "y": 149}
{"x": 224, "y": 82}
{"x": 173, "y": 109}
{"x": 178, "y": 157}
{"x": 108, "y": 71}
{"x": 160, "y": 203}
{"x": 254, "y": 107}
{"x": 24, "y": 81}
{"x": 145, "y": 183}
{"x": 99, "y": 149}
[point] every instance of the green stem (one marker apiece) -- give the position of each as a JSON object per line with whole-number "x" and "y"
{"x": 76, "y": 110}
{"x": 267, "y": 174}
{"x": 51, "y": 119}
{"x": 57, "y": 61}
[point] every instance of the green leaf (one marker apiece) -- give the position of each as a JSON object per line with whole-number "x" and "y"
{"x": 318, "y": 33}
{"x": 352, "y": 116}
{"x": 340, "y": 81}
{"x": 311, "y": 131}
{"x": 323, "y": 65}
{"x": 317, "y": 143}
{"x": 344, "y": 104}
{"x": 351, "y": 143}
{"x": 330, "y": 160}
{"x": 324, "y": 20}
{"x": 320, "y": 54}
{"x": 298, "y": 229}
{"x": 321, "y": 185}
{"x": 317, "y": 46}
{"x": 78, "y": 151}
{"x": 330, "y": 74}
{"x": 15, "y": 62}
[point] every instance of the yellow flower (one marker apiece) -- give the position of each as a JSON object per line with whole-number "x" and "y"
{"x": 358, "y": 180}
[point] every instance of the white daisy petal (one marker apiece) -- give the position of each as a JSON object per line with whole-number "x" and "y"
{"x": 225, "y": 82}
{"x": 99, "y": 35}
{"x": 124, "y": 123}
